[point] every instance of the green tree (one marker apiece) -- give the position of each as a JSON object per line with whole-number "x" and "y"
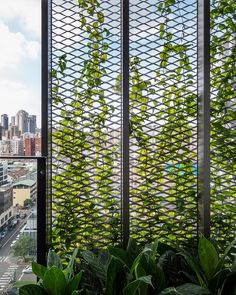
{"x": 27, "y": 202}
{"x": 23, "y": 247}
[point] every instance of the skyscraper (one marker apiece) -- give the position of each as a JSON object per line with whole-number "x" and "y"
{"x": 32, "y": 124}
{"x": 4, "y": 121}
{"x": 22, "y": 121}
{"x": 1, "y": 132}
{"x": 13, "y": 120}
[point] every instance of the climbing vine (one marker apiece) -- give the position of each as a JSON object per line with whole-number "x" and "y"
{"x": 86, "y": 166}
{"x": 165, "y": 194}
{"x": 223, "y": 107}
{"x": 85, "y": 197}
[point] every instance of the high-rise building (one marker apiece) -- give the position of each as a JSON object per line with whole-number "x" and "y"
{"x": 14, "y": 131}
{"x": 1, "y": 132}
{"x": 32, "y": 124}
{"x": 13, "y": 120}
{"x": 4, "y": 121}
{"x": 3, "y": 173}
{"x": 22, "y": 121}
{"x": 29, "y": 146}
{"x": 17, "y": 147}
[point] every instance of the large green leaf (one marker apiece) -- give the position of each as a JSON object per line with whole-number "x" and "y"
{"x": 77, "y": 292}
{"x": 38, "y": 269}
{"x": 54, "y": 281}
{"x": 73, "y": 283}
{"x": 187, "y": 289}
{"x": 208, "y": 256}
{"x": 169, "y": 291}
{"x": 119, "y": 253}
{"x": 112, "y": 282}
{"x": 23, "y": 283}
{"x": 99, "y": 269}
{"x": 226, "y": 253}
{"x": 69, "y": 271}
{"x": 32, "y": 290}
{"x": 194, "y": 266}
{"x": 158, "y": 275}
{"x": 132, "y": 251}
{"x": 53, "y": 260}
{"x": 134, "y": 286}
{"x": 139, "y": 258}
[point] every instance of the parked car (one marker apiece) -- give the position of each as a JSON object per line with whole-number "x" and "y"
{"x": 28, "y": 269}
{"x": 3, "y": 234}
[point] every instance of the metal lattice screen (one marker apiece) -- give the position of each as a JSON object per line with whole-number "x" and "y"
{"x": 163, "y": 116}
{"x": 223, "y": 119}
{"x": 89, "y": 181}
{"x": 86, "y": 116}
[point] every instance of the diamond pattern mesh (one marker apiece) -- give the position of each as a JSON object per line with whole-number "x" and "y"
{"x": 163, "y": 111}
{"x": 86, "y": 115}
{"x": 223, "y": 120}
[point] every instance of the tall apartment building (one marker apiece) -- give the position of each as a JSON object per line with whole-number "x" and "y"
{"x": 17, "y": 147}
{"x": 3, "y": 173}
{"x": 32, "y": 124}
{"x": 4, "y": 121}
{"x": 22, "y": 121}
{"x": 13, "y": 120}
{"x": 29, "y": 146}
{"x": 1, "y": 132}
{"x": 14, "y": 131}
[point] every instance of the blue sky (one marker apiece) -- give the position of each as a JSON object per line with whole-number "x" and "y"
{"x": 20, "y": 61}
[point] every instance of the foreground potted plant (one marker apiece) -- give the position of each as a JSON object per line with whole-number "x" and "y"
{"x": 155, "y": 269}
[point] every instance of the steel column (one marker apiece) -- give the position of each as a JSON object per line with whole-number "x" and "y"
{"x": 204, "y": 116}
{"x": 125, "y": 123}
{"x": 41, "y": 211}
{"x": 44, "y": 76}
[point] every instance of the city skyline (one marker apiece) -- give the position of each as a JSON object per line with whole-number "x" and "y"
{"x": 19, "y": 135}
{"x": 20, "y": 61}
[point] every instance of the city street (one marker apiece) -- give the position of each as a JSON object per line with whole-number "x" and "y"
{"x": 10, "y": 267}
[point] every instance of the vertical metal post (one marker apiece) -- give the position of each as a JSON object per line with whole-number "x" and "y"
{"x": 204, "y": 116}
{"x": 41, "y": 211}
{"x": 41, "y": 177}
{"x": 125, "y": 123}
{"x": 44, "y": 77}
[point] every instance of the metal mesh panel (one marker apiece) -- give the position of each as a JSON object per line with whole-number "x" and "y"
{"x": 86, "y": 115}
{"x": 223, "y": 120}
{"x": 163, "y": 114}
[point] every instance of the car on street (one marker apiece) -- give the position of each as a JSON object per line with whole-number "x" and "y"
{"x": 3, "y": 234}
{"x": 28, "y": 269}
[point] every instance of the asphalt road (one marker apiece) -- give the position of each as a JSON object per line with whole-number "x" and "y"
{"x": 10, "y": 268}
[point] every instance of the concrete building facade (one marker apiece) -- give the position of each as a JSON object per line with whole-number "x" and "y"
{"x": 22, "y": 190}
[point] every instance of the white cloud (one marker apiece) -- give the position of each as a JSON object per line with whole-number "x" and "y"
{"x": 32, "y": 49}
{"x": 28, "y": 12}
{"x": 14, "y": 48}
{"x": 15, "y": 96}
